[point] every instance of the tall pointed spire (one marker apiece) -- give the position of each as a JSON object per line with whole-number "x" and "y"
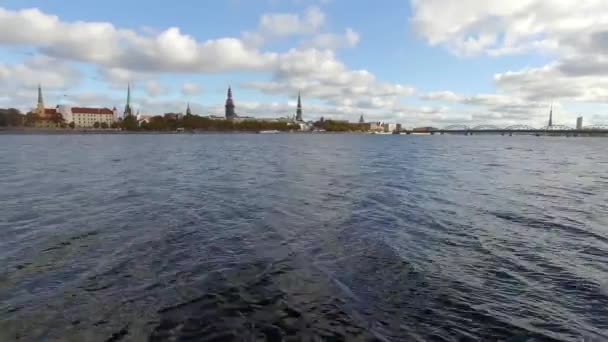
{"x": 128, "y": 109}
{"x": 230, "y": 114}
{"x": 40, "y": 101}
{"x": 361, "y": 120}
{"x": 188, "y": 111}
{"x": 551, "y": 114}
{"x": 299, "y": 110}
{"x": 40, "y": 104}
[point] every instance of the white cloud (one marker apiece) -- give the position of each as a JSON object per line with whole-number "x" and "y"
{"x": 120, "y": 77}
{"x": 127, "y": 56}
{"x": 319, "y": 74}
{"x": 50, "y": 72}
{"x": 103, "y": 44}
{"x": 442, "y": 96}
{"x": 280, "y": 25}
{"x": 349, "y": 39}
{"x": 497, "y": 109}
{"x": 480, "y": 26}
{"x": 191, "y": 89}
{"x": 155, "y": 89}
{"x": 575, "y": 32}
{"x": 286, "y": 24}
{"x": 551, "y": 81}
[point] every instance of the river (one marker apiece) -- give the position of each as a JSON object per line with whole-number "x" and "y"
{"x": 293, "y": 237}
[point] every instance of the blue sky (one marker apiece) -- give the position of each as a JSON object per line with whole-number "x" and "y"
{"x": 416, "y": 62}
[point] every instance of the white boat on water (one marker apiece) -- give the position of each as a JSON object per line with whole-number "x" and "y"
{"x": 269, "y": 132}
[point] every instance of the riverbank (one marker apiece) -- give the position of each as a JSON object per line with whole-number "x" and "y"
{"x": 31, "y": 130}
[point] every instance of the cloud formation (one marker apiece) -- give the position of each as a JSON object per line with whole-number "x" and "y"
{"x": 155, "y": 88}
{"x": 124, "y": 56}
{"x": 39, "y": 69}
{"x": 575, "y": 32}
{"x": 105, "y": 45}
{"x": 191, "y": 89}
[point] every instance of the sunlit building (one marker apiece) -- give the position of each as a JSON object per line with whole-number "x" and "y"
{"x": 87, "y": 117}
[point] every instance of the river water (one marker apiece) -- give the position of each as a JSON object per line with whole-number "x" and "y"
{"x": 303, "y": 238}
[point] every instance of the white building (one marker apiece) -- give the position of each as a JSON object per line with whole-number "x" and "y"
{"x": 306, "y": 126}
{"x": 87, "y": 117}
{"x": 376, "y": 126}
{"x": 66, "y": 113}
{"x": 389, "y": 127}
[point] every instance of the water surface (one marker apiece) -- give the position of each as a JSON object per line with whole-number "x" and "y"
{"x": 303, "y": 237}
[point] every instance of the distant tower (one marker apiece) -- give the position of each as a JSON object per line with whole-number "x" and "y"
{"x": 579, "y": 122}
{"x": 361, "y": 120}
{"x": 230, "y": 114}
{"x": 40, "y": 104}
{"x": 299, "y": 110}
{"x": 128, "y": 109}
{"x": 188, "y": 111}
{"x": 551, "y": 115}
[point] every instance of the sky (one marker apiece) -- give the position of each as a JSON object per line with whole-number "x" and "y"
{"x": 415, "y": 62}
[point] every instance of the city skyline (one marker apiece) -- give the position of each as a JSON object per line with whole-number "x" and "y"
{"x": 230, "y": 113}
{"x": 420, "y": 65}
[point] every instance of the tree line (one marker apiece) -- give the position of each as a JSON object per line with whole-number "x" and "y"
{"x": 340, "y": 126}
{"x": 12, "y": 117}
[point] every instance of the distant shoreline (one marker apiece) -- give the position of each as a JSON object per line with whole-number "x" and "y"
{"x": 81, "y": 131}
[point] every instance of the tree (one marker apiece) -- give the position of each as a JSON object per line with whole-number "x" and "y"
{"x": 14, "y": 117}
{"x": 72, "y": 125}
{"x": 31, "y": 118}
{"x": 130, "y": 123}
{"x": 104, "y": 125}
{"x": 57, "y": 118}
{"x": 96, "y": 124}
{"x": 340, "y": 126}
{"x": 115, "y": 124}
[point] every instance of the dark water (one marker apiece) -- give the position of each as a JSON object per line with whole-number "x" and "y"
{"x": 303, "y": 237}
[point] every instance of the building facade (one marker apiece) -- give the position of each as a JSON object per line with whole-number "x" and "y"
{"x": 87, "y": 117}
{"x": 579, "y": 122}
{"x": 66, "y": 113}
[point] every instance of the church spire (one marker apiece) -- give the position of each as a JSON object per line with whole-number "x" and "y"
{"x": 551, "y": 115}
{"x": 361, "y": 120}
{"x": 299, "y": 110}
{"x": 230, "y": 114}
{"x": 40, "y": 101}
{"x": 128, "y": 110}
{"x": 188, "y": 111}
{"x": 40, "y": 104}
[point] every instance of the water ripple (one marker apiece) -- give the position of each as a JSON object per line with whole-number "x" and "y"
{"x": 302, "y": 237}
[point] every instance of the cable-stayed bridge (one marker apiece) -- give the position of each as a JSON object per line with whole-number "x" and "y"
{"x": 510, "y": 130}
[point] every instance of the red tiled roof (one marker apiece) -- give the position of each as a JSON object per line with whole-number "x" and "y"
{"x": 49, "y": 111}
{"x": 84, "y": 110}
